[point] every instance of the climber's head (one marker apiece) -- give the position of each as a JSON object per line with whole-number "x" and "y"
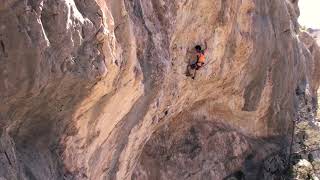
{"x": 198, "y": 48}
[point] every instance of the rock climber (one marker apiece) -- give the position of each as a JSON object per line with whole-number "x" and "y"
{"x": 196, "y": 65}
{"x": 200, "y": 58}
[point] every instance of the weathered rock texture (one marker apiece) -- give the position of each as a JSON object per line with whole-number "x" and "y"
{"x": 97, "y": 89}
{"x": 315, "y": 33}
{"x": 305, "y": 152}
{"x": 312, "y": 63}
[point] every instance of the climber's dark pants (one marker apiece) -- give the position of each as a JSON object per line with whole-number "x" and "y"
{"x": 196, "y": 66}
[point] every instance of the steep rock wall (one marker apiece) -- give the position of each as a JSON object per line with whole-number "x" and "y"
{"x": 86, "y": 84}
{"x": 311, "y": 56}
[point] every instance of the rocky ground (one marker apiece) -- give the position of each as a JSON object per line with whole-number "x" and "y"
{"x": 305, "y": 152}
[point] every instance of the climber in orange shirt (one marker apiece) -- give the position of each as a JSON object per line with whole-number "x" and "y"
{"x": 200, "y": 58}
{"x": 199, "y": 61}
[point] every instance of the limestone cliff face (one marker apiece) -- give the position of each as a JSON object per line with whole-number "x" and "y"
{"x": 311, "y": 53}
{"x": 97, "y": 89}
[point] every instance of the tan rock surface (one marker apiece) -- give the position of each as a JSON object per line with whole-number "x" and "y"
{"x": 97, "y": 89}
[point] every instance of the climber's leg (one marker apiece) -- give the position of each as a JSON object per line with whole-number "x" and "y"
{"x": 194, "y": 74}
{"x": 191, "y": 67}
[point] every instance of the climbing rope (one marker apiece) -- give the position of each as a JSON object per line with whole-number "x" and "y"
{"x": 291, "y": 145}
